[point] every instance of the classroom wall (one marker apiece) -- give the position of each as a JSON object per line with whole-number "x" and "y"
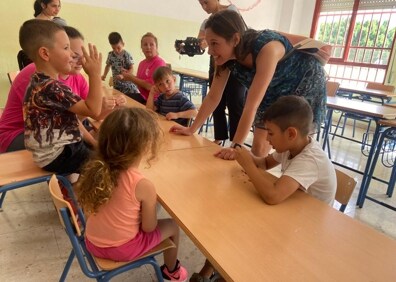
{"x": 168, "y": 20}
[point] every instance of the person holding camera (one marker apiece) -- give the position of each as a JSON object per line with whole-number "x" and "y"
{"x": 234, "y": 93}
{"x": 256, "y": 58}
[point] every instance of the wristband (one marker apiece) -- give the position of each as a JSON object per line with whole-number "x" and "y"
{"x": 235, "y": 145}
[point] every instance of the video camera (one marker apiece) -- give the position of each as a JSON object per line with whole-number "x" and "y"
{"x": 189, "y": 47}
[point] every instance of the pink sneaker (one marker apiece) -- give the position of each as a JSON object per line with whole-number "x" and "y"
{"x": 180, "y": 274}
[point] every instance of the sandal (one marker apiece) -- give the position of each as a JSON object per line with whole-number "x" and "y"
{"x": 196, "y": 277}
{"x": 216, "y": 277}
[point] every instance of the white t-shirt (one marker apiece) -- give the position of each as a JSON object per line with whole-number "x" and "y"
{"x": 230, "y": 7}
{"x": 312, "y": 169}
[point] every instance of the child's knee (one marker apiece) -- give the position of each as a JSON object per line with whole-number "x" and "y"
{"x": 168, "y": 227}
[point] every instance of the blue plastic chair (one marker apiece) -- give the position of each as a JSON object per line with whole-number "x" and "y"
{"x": 92, "y": 267}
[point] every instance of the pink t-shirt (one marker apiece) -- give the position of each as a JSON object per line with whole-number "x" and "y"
{"x": 118, "y": 221}
{"x": 78, "y": 84}
{"x": 11, "y": 122}
{"x": 145, "y": 72}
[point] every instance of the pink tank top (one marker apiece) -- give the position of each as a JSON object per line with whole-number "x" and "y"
{"x": 118, "y": 221}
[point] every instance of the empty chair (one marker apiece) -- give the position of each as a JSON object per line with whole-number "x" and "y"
{"x": 380, "y": 86}
{"x": 23, "y": 59}
{"x": 345, "y": 186}
{"x": 92, "y": 267}
{"x": 331, "y": 91}
{"x": 12, "y": 75}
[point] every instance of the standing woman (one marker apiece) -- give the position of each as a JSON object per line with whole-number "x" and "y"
{"x": 234, "y": 93}
{"x": 43, "y": 10}
{"x": 256, "y": 59}
{"x": 46, "y": 9}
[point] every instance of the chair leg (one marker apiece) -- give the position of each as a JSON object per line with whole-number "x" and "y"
{"x": 158, "y": 272}
{"x": 67, "y": 266}
{"x": 338, "y": 124}
{"x": 354, "y": 127}
{"x": 2, "y": 200}
{"x": 343, "y": 125}
{"x": 392, "y": 182}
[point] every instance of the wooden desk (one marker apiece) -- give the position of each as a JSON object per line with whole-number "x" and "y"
{"x": 192, "y": 73}
{"x": 357, "y": 107}
{"x": 301, "y": 239}
{"x": 380, "y": 94}
{"x": 374, "y": 111}
{"x": 193, "y": 81}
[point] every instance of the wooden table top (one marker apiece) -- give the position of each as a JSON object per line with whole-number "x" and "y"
{"x": 359, "y": 107}
{"x": 193, "y": 73}
{"x": 171, "y": 141}
{"x": 247, "y": 240}
{"x": 367, "y": 91}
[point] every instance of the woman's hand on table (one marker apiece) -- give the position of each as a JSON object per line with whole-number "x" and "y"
{"x": 181, "y": 130}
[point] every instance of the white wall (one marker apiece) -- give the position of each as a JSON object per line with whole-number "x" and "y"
{"x": 293, "y": 16}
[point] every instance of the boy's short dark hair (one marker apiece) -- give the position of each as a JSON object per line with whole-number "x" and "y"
{"x": 160, "y": 73}
{"x": 290, "y": 111}
{"x": 115, "y": 38}
{"x": 35, "y": 33}
{"x": 73, "y": 33}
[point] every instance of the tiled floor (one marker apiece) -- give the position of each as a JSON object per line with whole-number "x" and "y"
{"x": 34, "y": 247}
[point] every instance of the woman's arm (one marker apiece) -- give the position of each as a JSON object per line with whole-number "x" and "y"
{"x": 209, "y": 104}
{"x": 266, "y": 63}
{"x": 139, "y": 82}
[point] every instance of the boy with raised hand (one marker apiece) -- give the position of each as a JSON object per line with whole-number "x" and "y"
{"x": 304, "y": 165}
{"x": 50, "y": 107}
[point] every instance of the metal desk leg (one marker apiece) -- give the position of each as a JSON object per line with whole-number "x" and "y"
{"x": 326, "y": 131}
{"x": 364, "y": 186}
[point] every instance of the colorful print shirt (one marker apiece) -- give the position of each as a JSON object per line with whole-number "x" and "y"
{"x": 49, "y": 126}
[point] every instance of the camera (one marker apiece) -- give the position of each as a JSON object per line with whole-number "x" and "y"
{"x": 189, "y": 47}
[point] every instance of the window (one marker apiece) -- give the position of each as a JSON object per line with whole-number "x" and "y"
{"x": 362, "y": 34}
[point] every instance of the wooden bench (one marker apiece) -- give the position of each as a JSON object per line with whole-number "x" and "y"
{"x": 17, "y": 170}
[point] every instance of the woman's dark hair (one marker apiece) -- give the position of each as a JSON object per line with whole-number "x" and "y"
{"x": 73, "y": 33}
{"x": 227, "y": 23}
{"x": 37, "y": 6}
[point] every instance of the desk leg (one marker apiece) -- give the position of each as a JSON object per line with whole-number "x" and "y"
{"x": 364, "y": 186}
{"x": 181, "y": 83}
{"x": 326, "y": 132}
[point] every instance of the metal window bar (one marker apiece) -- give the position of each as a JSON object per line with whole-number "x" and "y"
{"x": 369, "y": 63}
